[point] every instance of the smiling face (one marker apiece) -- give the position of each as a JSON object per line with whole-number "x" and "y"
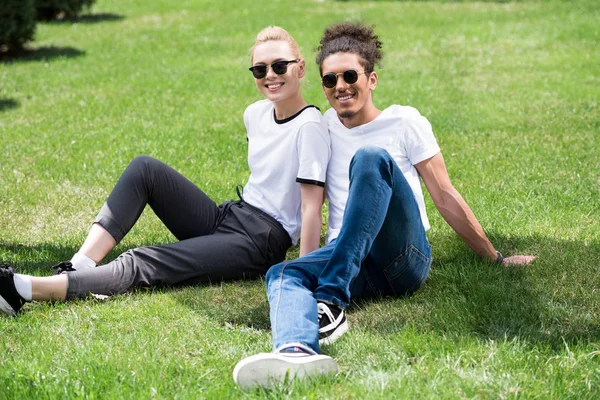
{"x": 352, "y": 102}
{"x": 275, "y": 87}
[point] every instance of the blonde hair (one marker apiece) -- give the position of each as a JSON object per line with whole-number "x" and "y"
{"x": 276, "y": 33}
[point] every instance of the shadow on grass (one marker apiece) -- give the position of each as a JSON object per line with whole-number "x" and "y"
{"x": 44, "y": 53}
{"x": 35, "y": 260}
{"x": 7, "y": 104}
{"x": 231, "y": 303}
{"x": 88, "y": 19}
{"x": 237, "y": 302}
{"x": 549, "y": 303}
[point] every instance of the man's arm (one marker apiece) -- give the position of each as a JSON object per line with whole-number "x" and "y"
{"x": 312, "y": 203}
{"x": 457, "y": 212}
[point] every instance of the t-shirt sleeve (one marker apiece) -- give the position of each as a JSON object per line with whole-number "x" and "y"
{"x": 247, "y": 118}
{"x": 419, "y": 139}
{"x": 314, "y": 150}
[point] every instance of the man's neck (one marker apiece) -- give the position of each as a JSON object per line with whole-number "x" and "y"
{"x": 361, "y": 118}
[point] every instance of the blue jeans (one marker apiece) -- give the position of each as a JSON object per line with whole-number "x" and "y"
{"x": 382, "y": 249}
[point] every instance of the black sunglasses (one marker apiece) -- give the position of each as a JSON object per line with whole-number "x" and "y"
{"x": 279, "y": 67}
{"x": 350, "y": 76}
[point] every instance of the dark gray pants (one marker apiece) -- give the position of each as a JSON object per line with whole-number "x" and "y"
{"x": 231, "y": 241}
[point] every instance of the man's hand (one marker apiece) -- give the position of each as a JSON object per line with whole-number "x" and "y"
{"x": 518, "y": 260}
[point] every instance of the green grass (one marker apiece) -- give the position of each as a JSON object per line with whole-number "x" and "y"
{"x": 512, "y": 91}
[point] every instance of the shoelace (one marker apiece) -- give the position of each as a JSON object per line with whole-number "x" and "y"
{"x": 64, "y": 266}
{"x": 322, "y": 309}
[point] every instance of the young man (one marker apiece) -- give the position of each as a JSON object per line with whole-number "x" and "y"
{"x": 376, "y": 241}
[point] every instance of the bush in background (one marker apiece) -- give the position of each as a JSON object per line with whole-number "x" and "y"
{"x": 17, "y": 23}
{"x": 58, "y": 9}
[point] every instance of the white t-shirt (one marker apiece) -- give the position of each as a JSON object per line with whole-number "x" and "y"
{"x": 401, "y": 130}
{"x": 281, "y": 155}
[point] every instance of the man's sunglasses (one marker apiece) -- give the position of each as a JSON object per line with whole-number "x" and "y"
{"x": 350, "y": 76}
{"x": 279, "y": 67}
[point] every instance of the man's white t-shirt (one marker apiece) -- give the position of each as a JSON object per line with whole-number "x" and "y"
{"x": 401, "y": 130}
{"x": 281, "y": 155}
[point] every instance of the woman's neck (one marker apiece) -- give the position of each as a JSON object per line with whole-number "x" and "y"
{"x": 289, "y": 107}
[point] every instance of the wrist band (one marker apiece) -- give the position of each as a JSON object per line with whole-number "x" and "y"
{"x": 499, "y": 259}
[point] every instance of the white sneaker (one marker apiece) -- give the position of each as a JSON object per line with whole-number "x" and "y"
{"x": 266, "y": 369}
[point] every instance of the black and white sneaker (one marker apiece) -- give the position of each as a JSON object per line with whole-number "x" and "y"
{"x": 10, "y": 300}
{"x": 267, "y": 369}
{"x": 332, "y": 323}
{"x": 64, "y": 266}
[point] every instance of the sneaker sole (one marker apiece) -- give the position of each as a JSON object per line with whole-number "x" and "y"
{"x": 4, "y": 306}
{"x": 339, "y": 331}
{"x": 267, "y": 369}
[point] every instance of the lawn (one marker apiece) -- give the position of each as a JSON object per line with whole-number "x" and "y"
{"x": 512, "y": 90}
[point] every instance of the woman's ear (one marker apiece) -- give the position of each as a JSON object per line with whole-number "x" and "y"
{"x": 301, "y": 68}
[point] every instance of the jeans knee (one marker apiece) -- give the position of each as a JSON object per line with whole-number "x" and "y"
{"x": 368, "y": 161}
{"x": 291, "y": 273}
{"x": 372, "y": 153}
{"x": 274, "y": 273}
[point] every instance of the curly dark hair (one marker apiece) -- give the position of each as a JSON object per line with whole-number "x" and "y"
{"x": 351, "y": 37}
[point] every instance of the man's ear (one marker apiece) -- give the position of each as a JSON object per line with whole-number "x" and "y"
{"x": 373, "y": 80}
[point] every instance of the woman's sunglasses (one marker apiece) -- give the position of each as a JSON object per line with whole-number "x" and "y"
{"x": 279, "y": 67}
{"x": 350, "y": 76}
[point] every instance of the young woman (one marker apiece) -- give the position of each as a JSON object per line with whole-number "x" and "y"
{"x": 288, "y": 152}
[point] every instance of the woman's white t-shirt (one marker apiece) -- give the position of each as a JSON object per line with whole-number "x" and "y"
{"x": 281, "y": 155}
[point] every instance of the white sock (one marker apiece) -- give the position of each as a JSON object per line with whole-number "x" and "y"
{"x": 23, "y": 286}
{"x": 81, "y": 261}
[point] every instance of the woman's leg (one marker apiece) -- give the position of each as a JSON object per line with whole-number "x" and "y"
{"x": 226, "y": 254}
{"x": 184, "y": 209}
{"x": 49, "y": 288}
{"x": 97, "y": 244}
{"x": 244, "y": 245}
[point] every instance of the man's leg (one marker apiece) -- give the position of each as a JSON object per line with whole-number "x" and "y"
{"x": 381, "y": 224}
{"x": 294, "y": 325}
{"x": 293, "y": 308}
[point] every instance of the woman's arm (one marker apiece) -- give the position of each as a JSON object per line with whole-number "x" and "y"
{"x": 312, "y": 203}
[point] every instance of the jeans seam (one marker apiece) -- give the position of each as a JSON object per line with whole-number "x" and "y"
{"x": 427, "y": 259}
{"x": 299, "y": 261}
{"x": 274, "y": 325}
{"x": 424, "y": 274}
{"x": 411, "y": 248}
{"x": 364, "y": 232}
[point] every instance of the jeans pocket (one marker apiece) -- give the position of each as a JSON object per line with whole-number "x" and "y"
{"x": 407, "y": 272}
